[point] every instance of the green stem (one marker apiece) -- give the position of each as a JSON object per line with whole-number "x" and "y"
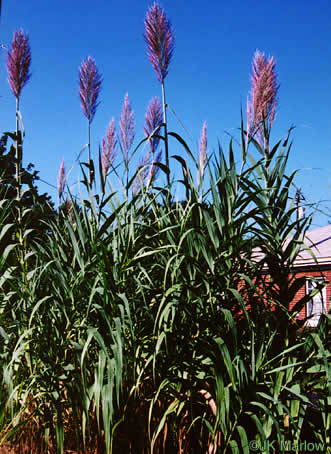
{"x": 89, "y": 153}
{"x": 18, "y": 176}
{"x": 18, "y": 157}
{"x": 21, "y": 251}
{"x": 228, "y": 438}
{"x": 164, "y": 105}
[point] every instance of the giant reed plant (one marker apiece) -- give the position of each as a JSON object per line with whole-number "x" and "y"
{"x": 160, "y": 41}
{"x": 136, "y": 319}
{"x": 90, "y": 81}
{"x": 152, "y": 326}
{"x": 18, "y": 63}
{"x": 18, "y": 68}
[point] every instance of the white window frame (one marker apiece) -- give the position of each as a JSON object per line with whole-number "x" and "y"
{"x": 320, "y": 302}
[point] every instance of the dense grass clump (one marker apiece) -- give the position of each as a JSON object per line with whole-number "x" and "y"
{"x": 147, "y": 325}
{"x": 131, "y": 322}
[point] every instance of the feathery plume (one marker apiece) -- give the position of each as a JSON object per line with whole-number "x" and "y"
{"x": 127, "y": 125}
{"x": 89, "y": 87}
{"x": 61, "y": 181}
{"x": 142, "y": 169}
{"x": 203, "y": 151}
{"x": 68, "y": 205}
{"x": 68, "y": 209}
{"x": 160, "y": 40}
{"x": 153, "y": 118}
{"x": 108, "y": 147}
{"x": 18, "y": 63}
{"x": 263, "y": 100}
{"x": 154, "y": 170}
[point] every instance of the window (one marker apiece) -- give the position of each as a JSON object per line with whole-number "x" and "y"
{"x": 317, "y": 304}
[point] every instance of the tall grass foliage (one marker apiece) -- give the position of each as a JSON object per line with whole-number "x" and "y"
{"x": 142, "y": 324}
{"x": 149, "y": 326}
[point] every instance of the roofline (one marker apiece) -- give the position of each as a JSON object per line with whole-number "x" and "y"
{"x": 310, "y": 261}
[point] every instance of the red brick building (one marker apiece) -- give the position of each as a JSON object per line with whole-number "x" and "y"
{"x": 319, "y": 242}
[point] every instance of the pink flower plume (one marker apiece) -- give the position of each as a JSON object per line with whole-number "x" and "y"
{"x": 18, "y": 63}
{"x": 89, "y": 87}
{"x": 160, "y": 40}
{"x": 61, "y": 181}
{"x": 153, "y": 119}
{"x": 108, "y": 147}
{"x": 154, "y": 169}
{"x": 203, "y": 149}
{"x": 263, "y": 100}
{"x": 127, "y": 125}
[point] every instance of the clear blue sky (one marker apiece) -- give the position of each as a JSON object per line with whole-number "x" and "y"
{"x": 208, "y": 77}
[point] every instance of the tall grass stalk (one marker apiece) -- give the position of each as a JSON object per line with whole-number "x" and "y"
{"x": 160, "y": 39}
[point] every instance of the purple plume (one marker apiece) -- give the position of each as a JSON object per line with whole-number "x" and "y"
{"x": 61, "y": 181}
{"x": 108, "y": 147}
{"x": 160, "y": 40}
{"x": 69, "y": 209}
{"x": 263, "y": 100}
{"x": 127, "y": 125}
{"x": 154, "y": 119}
{"x": 203, "y": 150}
{"x": 18, "y": 63}
{"x": 154, "y": 170}
{"x": 89, "y": 87}
{"x": 142, "y": 170}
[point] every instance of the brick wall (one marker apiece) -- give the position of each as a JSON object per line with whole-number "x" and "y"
{"x": 326, "y": 274}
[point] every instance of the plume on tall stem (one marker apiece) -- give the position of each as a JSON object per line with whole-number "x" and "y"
{"x": 108, "y": 148}
{"x": 90, "y": 81}
{"x": 18, "y": 64}
{"x": 160, "y": 40}
{"x": 261, "y": 107}
{"x": 154, "y": 169}
{"x": 202, "y": 153}
{"x": 61, "y": 180}
{"x": 127, "y": 126}
{"x": 142, "y": 173}
{"x": 153, "y": 121}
